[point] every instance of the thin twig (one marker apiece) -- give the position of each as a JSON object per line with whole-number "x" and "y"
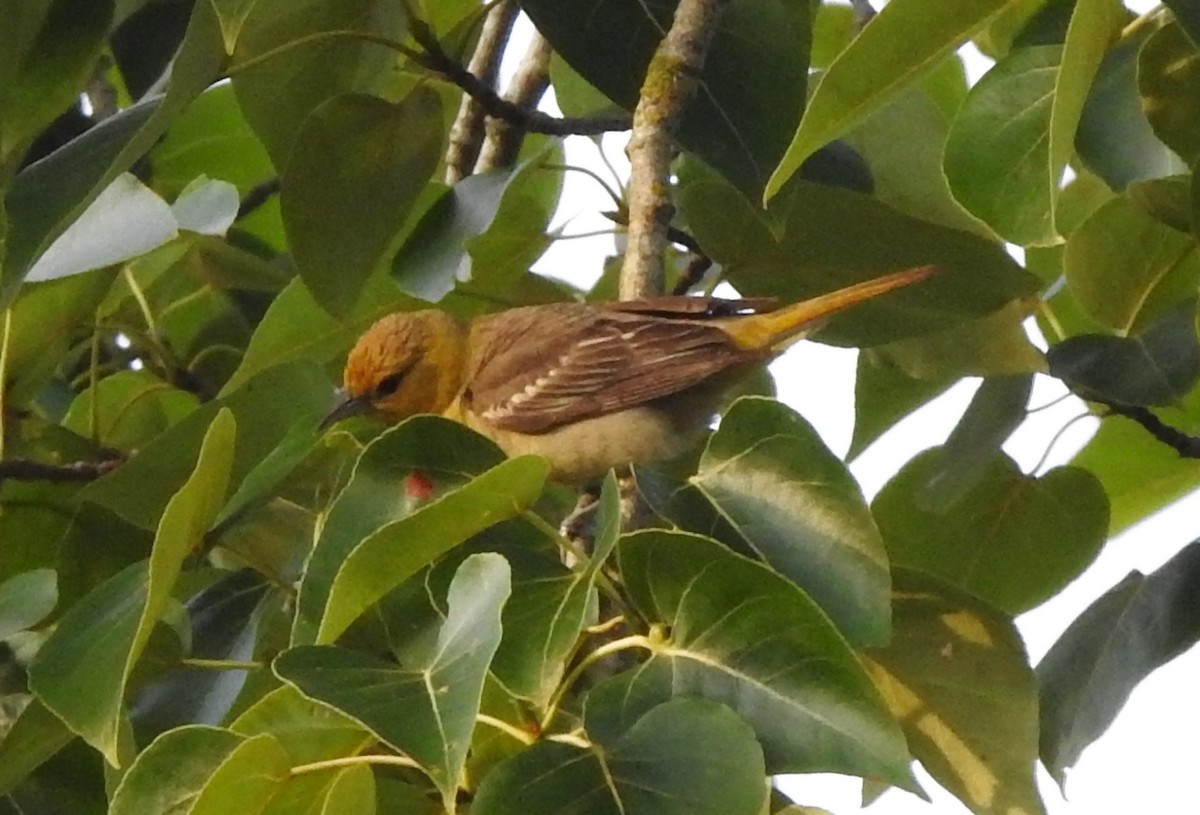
{"x": 258, "y": 195}
{"x": 467, "y": 134}
{"x": 434, "y": 58}
{"x": 1185, "y": 445}
{"x": 21, "y": 469}
{"x": 671, "y": 79}
{"x": 697, "y": 266}
{"x": 526, "y": 89}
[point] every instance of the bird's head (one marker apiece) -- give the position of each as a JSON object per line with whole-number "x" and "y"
{"x": 407, "y": 363}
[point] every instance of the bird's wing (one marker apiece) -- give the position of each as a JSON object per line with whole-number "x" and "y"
{"x": 548, "y": 366}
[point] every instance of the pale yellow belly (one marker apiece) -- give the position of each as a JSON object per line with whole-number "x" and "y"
{"x": 584, "y": 451}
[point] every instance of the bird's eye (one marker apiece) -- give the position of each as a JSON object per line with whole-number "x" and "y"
{"x": 389, "y": 384}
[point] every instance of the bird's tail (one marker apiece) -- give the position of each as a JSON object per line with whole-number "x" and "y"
{"x": 777, "y": 328}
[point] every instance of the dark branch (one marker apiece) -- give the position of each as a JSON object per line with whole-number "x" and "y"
{"x": 259, "y": 194}
{"x": 698, "y": 265}
{"x": 20, "y": 469}
{"x": 1183, "y": 444}
{"x": 434, "y": 58}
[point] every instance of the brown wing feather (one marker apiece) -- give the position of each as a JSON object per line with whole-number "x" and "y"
{"x": 547, "y": 366}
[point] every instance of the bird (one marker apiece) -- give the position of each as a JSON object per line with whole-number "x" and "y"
{"x": 588, "y": 387}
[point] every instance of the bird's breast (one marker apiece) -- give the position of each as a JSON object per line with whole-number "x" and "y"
{"x": 583, "y": 451}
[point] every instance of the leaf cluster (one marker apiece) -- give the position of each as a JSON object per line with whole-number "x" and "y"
{"x": 225, "y": 610}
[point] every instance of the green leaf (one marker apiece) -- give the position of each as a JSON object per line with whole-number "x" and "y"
{"x": 48, "y": 196}
{"x": 755, "y": 71}
{"x": 550, "y": 606}
{"x": 996, "y": 410}
{"x": 1126, "y": 268}
{"x": 130, "y": 408}
{"x": 684, "y": 757}
{"x": 201, "y": 770}
{"x": 347, "y": 188}
{"x": 1166, "y": 200}
{"x": 1168, "y": 75}
{"x": 883, "y": 395}
{"x": 956, "y": 677}
{"x": 427, "y": 710}
{"x": 51, "y": 51}
{"x": 801, "y": 688}
{"x": 285, "y": 63}
{"x": 823, "y": 238}
{"x": 487, "y": 229}
{"x": 211, "y": 138}
{"x": 309, "y": 732}
{"x": 82, "y": 671}
{"x": 1014, "y": 135}
{"x": 1115, "y": 140}
{"x": 1188, "y": 17}
{"x": 873, "y": 69}
{"x": 1136, "y": 627}
{"x": 1158, "y": 367}
{"x": 433, "y": 449}
{"x": 1012, "y": 539}
{"x": 232, "y": 15}
{"x": 796, "y": 505}
{"x": 224, "y": 621}
{"x": 46, "y": 319}
{"x": 27, "y": 599}
{"x": 995, "y": 345}
{"x": 397, "y": 551}
{"x": 907, "y": 172}
{"x": 351, "y": 790}
{"x": 31, "y": 740}
{"x": 265, "y": 408}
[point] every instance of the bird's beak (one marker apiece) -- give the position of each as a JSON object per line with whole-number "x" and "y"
{"x": 828, "y": 304}
{"x": 349, "y": 406}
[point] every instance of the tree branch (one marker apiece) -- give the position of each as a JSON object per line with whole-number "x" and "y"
{"x": 467, "y": 134}
{"x": 528, "y": 85}
{"x": 434, "y": 58}
{"x": 258, "y": 195}
{"x": 20, "y": 469}
{"x": 1183, "y": 444}
{"x": 670, "y": 82}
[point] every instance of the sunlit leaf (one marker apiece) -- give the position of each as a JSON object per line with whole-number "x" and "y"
{"x": 801, "y": 688}
{"x": 82, "y": 671}
{"x": 1014, "y": 135}
{"x": 956, "y": 676}
{"x": 795, "y": 504}
{"x": 871, "y": 71}
{"x": 426, "y": 711}
{"x": 202, "y": 771}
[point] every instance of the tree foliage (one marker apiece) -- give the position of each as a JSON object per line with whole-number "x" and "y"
{"x": 208, "y": 605}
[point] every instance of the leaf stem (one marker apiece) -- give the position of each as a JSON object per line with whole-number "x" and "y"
{"x": 221, "y": 664}
{"x": 4, "y": 342}
{"x": 506, "y": 728}
{"x": 623, "y": 644}
{"x": 350, "y": 761}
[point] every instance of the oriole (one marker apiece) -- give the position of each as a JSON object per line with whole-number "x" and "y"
{"x": 587, "y": 387}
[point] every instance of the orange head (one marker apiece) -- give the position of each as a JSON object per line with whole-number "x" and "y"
{"x": 407, "y": 363}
